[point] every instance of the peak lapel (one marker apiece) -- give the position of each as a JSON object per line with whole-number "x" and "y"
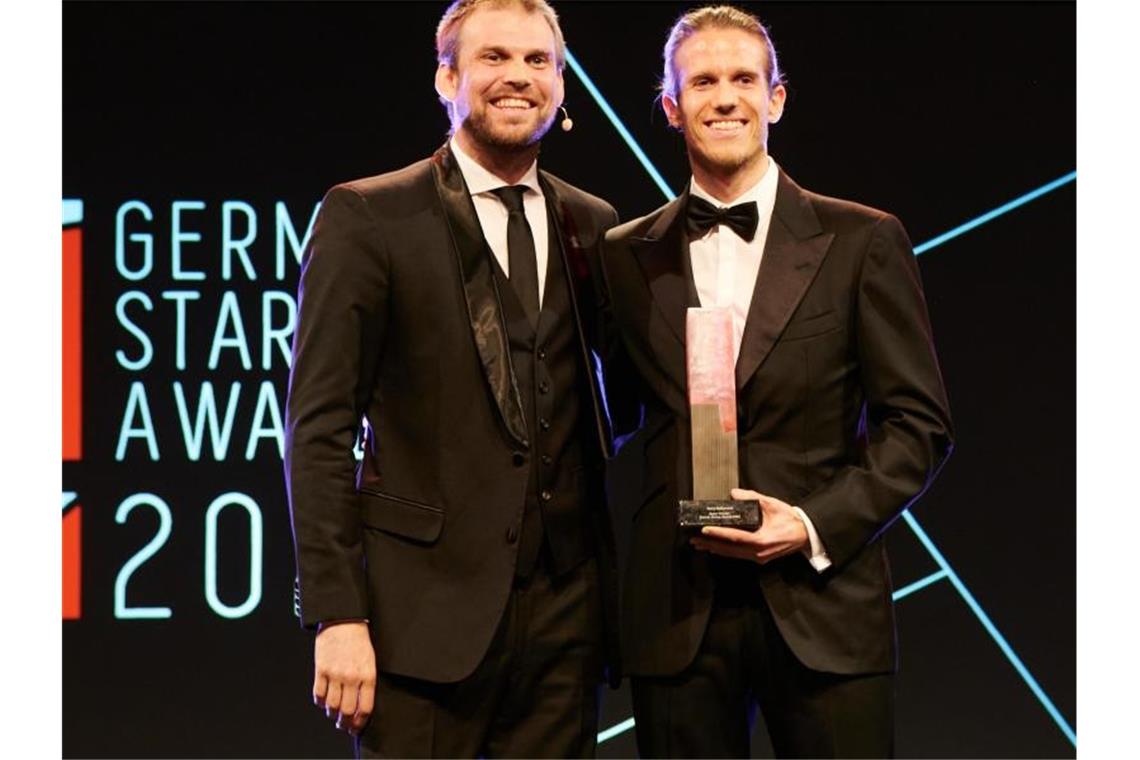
{"x": 663, "y": 255}
{"x": 795, "y": 248}
{"x": 484, "y": 309}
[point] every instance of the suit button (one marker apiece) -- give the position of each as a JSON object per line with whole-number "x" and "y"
{"x": 517, "y": 459}
{"x": 544, "y": 423}
{"x": 546, "y": 460}
{"x": 544, "y": 387}
{"x": 541, "y": 354}
{"x": 547, "y": 496}
{"x": 512, "y": 534}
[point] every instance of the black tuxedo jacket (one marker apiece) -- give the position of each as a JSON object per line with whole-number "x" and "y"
{"x": 840, "y": 407}
{"x": 401, "y": 325}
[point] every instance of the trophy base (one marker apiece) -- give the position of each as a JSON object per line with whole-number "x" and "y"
{"x": 694, "y": 514}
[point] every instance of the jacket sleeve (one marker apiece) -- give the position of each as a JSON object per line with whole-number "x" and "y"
{"x": 340, "y": 331}
{"x": 907, "y": 433}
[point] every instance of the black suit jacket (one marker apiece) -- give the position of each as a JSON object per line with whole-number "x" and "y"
{"x": 400, "y": 324}
{"x": 841, "y": 411}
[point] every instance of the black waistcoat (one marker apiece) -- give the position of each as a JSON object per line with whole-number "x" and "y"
{"x": 548, "y": 367}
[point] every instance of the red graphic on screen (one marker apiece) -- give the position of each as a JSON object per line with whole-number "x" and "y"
{"x": 72, "y": 344}
{"x": 72, "y": 567}
{"x": 72, "y": 408}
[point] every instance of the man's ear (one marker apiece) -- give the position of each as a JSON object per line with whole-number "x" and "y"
{"x": 776, "y": 103}
{"x": 672, "y": 111}
{"x": 446, "y": 82}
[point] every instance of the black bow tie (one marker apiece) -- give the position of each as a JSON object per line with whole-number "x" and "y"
{"x": 742, "y": 218}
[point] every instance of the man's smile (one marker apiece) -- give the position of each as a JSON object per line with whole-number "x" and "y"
{"x": 726, "y": 126}
{"x": 512, "y": 104}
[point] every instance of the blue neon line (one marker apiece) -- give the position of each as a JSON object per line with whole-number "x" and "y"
{"x": 614, "y": 730}
{"x": 72, "y": 211}
{"x": 962, "y": 229}
{"x": 596, "y": 94}
{"x": 919, "y": 585}
{"x": 1006, "y": 649}
{"x": 68, "y": 497}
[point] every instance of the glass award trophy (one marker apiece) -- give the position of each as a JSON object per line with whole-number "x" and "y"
{"x": 712, "y": 406}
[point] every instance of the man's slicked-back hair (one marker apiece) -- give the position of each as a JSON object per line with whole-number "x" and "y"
{"x": 715, "y": 17}
{"x": 447, "y": 33}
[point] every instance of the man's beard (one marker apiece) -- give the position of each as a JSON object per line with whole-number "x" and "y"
{"x": 726, "y": 160}
{"x": 479, "y": 127}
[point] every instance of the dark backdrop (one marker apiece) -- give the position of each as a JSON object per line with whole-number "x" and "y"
{"x": 934, "y": 112}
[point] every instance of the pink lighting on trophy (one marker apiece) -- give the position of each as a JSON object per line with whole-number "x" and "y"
{"x": 712, "y": 377}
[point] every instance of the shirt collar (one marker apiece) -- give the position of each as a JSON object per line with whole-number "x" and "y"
{"x": 480, "y": 180}
{"x": 763, "y": 192}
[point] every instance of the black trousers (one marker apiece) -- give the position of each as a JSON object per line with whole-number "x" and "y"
{"x": 743, "y": 664}
{"x": 535, "y": 694}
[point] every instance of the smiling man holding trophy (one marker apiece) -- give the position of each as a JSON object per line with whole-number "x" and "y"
{"x": 775, "y": 348}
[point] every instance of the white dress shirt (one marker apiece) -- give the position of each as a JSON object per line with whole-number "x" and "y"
{"x": 725, "y": 267}
{"x": 493, "y": 214}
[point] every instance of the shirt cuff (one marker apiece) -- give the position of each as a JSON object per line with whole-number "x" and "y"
{"x": 815, "y": 552}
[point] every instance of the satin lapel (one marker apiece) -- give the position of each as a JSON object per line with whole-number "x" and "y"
{"x": 568, "y": 243}
{"x": 663, "y": 255}
{"x": 484, "y": 308}
{"x": 793, "y": 253}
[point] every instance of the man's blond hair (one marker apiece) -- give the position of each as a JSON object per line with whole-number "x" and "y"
{"x": 447, "y": 33}
{"x": 715, "y": 17}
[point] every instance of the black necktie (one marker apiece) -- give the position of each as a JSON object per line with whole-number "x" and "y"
{"x": 521, "y": 258}
{"x": 741, "y": 218}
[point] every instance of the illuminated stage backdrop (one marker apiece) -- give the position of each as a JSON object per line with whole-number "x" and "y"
{"x": 198, "y": 141}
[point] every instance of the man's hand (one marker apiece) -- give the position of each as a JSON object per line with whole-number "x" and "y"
{"x": 781, "y": 532}
{"x": 344, "y": 681}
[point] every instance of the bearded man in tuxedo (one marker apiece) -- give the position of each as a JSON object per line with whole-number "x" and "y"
{"x": 459, "y": 578}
